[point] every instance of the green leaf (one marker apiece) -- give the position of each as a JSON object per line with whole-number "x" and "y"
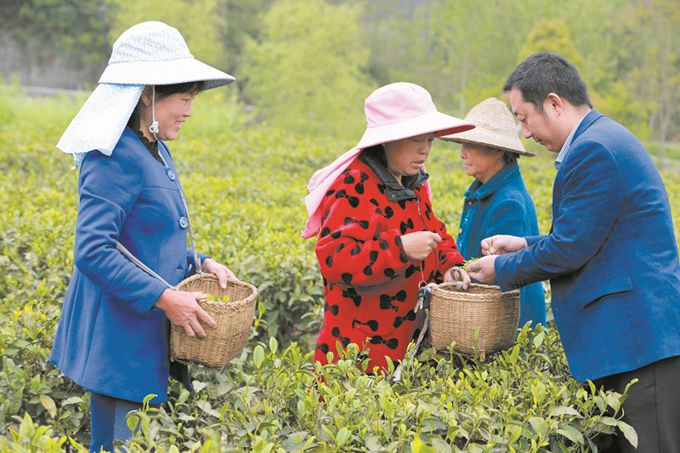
{"x": 258, "y": 356}
{"x": 343, "y": 436}
{"x": 132, "y": 422}
{"x": 514, "y": 355}
{"x": 572, "y": 434}
{"x": 564, "y": 410}
{"x": 198, "y": 386}
{"x": 72, "y": 400}
{"x": 629, "y": 432}
{"x": 273, "y": 345}
{"x": 440, "y": 446}
{"x": 538, "y": 424}
{"x": 48, "y": 404}
{"x": 538, "y": 340}
{"x": 514, "y": 432}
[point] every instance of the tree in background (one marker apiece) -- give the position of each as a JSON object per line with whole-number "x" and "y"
{"x": 306, "y": 72}
{"x": 651, "y": 34}
{"x": 75, "y": 29}
{"x": 239, "y": 20}
{"x": 196, "y": 20}
{"x": 552, "y": 35}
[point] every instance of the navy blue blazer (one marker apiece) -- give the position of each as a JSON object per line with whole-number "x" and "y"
{"x": 110, "y": 338}
{"x": 502, "y": 205}
{"x": 611, "y": 255}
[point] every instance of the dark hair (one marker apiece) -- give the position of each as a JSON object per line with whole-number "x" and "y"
{"x": 547, "y": 72}
{"x": 510, "y": 158}
{"x": 163, "y": 91}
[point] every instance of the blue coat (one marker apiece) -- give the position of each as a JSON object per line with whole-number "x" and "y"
{"x": 611, "y": 255}
{"x": 502, "y": 205}
{"x": 110, "y": 338}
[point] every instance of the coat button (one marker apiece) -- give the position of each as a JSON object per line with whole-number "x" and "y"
{"x": 183, "y": 222}
{"x": 171, "y": 174}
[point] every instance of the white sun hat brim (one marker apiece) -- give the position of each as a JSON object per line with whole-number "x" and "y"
{"x": 165, "y": 73}
{"x": 425, "y": 123}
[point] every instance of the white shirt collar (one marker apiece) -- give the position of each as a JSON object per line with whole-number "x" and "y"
{"x": 567, "y": 145}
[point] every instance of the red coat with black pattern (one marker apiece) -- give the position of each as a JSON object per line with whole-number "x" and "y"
{"x": 370, "y": 286}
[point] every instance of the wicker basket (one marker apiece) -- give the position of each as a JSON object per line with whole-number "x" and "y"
{"x": 234, "y": 320}
{"x": 479, "y": 320}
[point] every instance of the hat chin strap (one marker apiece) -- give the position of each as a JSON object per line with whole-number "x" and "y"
{"x": 153, "y": 127}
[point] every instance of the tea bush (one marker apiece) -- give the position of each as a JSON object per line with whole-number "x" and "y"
{"x": 245, "y": 183}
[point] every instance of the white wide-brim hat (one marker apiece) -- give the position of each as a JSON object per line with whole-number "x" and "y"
{"x": 401, "y": 110}
{"x": 149, "y": 53}
{"x": 496, "y": 128}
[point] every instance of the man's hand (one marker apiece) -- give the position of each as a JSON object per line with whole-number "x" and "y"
{"x": 501, "y": 244}
{"x": 483, "y": 269}
{"x": 420, "y": 244}
{"x": 182, "y": 310}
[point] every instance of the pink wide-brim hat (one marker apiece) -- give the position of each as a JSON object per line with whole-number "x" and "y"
{"x": 402, "y": 110}
{"x": 393, "y": 112}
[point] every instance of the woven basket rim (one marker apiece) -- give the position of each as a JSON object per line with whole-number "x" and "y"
{"x": 221, "y": 305}
{"x": 445, "y": 287}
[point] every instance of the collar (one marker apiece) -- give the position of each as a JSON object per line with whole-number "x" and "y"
{"x": 567, "y": 143}
{"x": 152, "y": 147}
{"x": 374, "y": 157}
{"x": 478, "y": 191}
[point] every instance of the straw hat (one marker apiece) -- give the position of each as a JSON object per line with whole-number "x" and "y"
{"x": 402, "y": 110}
{"x": 149, "y": 53}
{"x": 496, "y": 128}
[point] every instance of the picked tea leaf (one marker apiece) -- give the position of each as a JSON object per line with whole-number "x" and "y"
{"x": 468, "y": 262}
{"x": 214, "y": 298}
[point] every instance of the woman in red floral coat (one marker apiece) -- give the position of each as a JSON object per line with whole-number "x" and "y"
{"x": 378, "y": 237}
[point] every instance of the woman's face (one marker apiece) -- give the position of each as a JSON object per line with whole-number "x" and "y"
{"x": 405, "y": 157}
{"x": 480, "y": 162}
{"x": 171, "y": 112}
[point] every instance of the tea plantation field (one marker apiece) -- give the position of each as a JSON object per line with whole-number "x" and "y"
{"x": 244, "y": 183}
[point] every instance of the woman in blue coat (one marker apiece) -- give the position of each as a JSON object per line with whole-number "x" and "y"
{"x": 497, "y": 202}
{"x": 112, "y": 338}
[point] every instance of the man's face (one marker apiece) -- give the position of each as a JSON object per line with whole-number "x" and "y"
{"x": 541, "y": 126}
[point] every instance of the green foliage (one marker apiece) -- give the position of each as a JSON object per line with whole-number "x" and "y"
{"x": 239, "y": 20}
{"x": 195, "y": 19}
{"x": 551, "y": 35}
{"x": 305, "y": 71}
{"x": 245, "y": 185}
{"x": 75, "y": 27}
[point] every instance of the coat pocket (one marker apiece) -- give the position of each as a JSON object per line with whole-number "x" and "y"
{"x": 616, "y": 285}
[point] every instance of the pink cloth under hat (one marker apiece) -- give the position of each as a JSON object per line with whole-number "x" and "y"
{"x": 393, "y": 112}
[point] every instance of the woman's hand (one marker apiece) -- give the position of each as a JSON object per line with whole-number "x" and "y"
{"x": 457, "y": 274}
{"x": 182, "y": 310}
{"x": 420, "y": 244}
{"x": 220, "y": 271}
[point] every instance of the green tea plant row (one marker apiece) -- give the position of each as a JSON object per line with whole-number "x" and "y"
{"x": 245, "y": 184}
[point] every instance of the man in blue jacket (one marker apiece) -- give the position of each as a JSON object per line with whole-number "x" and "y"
{"x": 611, "y": 254}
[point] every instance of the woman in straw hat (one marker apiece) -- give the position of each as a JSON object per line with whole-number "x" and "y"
{"x": 497, "y": 202}
{"x": 378, "y": 238}
{"x": 112, "y": 338}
